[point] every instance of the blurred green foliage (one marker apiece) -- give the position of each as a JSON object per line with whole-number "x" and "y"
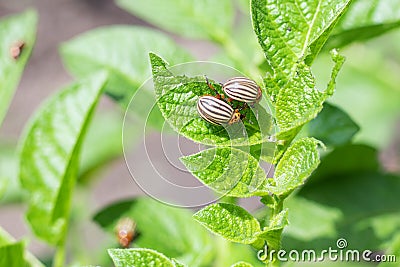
{"x": 349, "y": 196}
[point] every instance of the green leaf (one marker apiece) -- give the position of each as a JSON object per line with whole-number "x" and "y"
{"x": 365, "y": 20}
{"x": 11, "y": 249}
{"x": 360, "y": 34}
{"x": 377, "y": 86}
{"x": 346, "y": 182}
{"x": 320, "y": 42}
{"x": 349, "y": 159}
{"x": 285, "y": 139}
{"x": 344, "y": 167}
{"x": 286, "y": 30}
{"x": 181, "y": 236}
{"x": 123, "y": 52}
{"x": 139, "y": 257}
{"x": 322, "y": 225}
{"x": 300, "y": 101}
{"x": 50, "y": 155}
{"x": 279, "y": 221}
{"x": 177, "y": 99}
{"x": 272, "y": 233}
{"x": 229, "y": 221}
{"x": 264, "y": 151}
{"x": 13, "y": 255}
{"x": 332, "y": 126}
{"x": 5, "y": 238}
{"x": 9, "y": 174}
{"x": 178, "y": 264}
{"x": 104, "y": 143}
{"x": 357, "y": 205}
{"x": 385, "y": 225}
{"x": 393, "y": 250}
{"x": 242, "y": 264}
{"x": 338, "y": 198}
{"x": 295, "y": 166}
{"x": 227, "y": 171}
{"x": 14, "y": 29}
{"x": 194, "y": 19}
{"x": 230, "y": 253}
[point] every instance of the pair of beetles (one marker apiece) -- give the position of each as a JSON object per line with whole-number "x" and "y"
{"x": 215, "y": 110}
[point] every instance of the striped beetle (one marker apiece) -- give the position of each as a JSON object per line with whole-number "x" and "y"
{"x": 216, "y": 111}
{"x": 242, "y": 89}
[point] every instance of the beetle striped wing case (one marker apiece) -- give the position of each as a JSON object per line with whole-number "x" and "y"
{"x": 216, "y": 111}
{"x": 242, "y": 89}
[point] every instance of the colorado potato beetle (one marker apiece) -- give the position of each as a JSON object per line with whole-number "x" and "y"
{"x": 242, "y": 89}
{"x": 125, "y": 231}
{"x": 216, "y": 111}
{"x": 16, "y": 49}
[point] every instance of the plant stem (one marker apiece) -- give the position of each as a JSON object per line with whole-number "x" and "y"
{"x": 276, "y": 208}
{"x": 278, "y": 205}
{"x": 274, "y": 263}
{"x": 59, "y": 258}
{"x": 230, "y": 200}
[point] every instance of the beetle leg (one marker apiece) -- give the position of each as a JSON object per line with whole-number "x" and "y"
{"x": 244, "y": 107}
{"x": 210, "y": 85}
{"x": 217, "y": 95}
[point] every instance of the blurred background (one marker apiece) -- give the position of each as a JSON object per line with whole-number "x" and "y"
{"x": 59, "y": 21}
{"x": 368, "y": 89}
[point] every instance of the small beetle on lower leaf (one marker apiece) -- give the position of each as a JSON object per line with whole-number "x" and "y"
{"x": 125, "y": 231}
{"x": 16, "y": 49}
{"x": 216, "y": 111}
